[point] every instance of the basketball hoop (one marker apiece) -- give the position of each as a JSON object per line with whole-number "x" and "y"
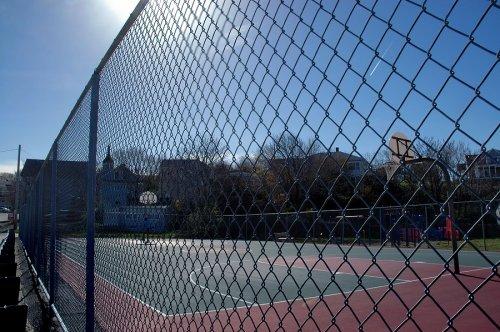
{"x": 148, "y": 198}
{"x": 401, "y": 148}
{"x": 401, "y": 151}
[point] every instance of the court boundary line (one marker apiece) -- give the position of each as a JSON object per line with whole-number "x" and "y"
{"x": 305, "y": 299}
{"x": 173, "y": 245}
{"x": 330, "y": 271}
{"x": 309, "y": 258}
{"x": 222, "y": 295}
{"x": 116, "y": 286}
{"x": 289, "y": 301}
{"x": 361, "y": 289}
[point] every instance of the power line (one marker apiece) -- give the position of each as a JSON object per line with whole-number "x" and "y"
{"x": 26, "y": 152}
{"x": 23, "y": 150}
{"x": 8, "y": 150}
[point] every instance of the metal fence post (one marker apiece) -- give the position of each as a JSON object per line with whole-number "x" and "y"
{"x": 32, "y": 224}
{"x": 18, "y": 179}
{"x": 91, "y": 186}
{"x": 29, "y": 225}
{"x": 39, "y": 225}
{"x": 53, "y": 216}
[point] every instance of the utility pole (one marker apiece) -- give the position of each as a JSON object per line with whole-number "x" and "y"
{"x": 18, "y": 178}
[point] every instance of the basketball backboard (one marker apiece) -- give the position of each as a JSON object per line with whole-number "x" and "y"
{"x": 148, "y": 198}
{"x": 401, "y": 148}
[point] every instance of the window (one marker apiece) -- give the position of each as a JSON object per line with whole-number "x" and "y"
{"x": 494, "y": 171}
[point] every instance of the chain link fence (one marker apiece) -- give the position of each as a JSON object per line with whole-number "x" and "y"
{"x": 272, "y": 165}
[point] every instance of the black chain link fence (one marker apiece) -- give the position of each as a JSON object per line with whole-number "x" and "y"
{"x": 279, "y": 165}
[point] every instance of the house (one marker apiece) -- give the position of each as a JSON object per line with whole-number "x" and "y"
{"x": 118, "y": 186}
{"x": 28, "y": 174}
{"x": 70, "y": 183}
{"x": 178, "y": 180}
{"x": 353, "y": 166}
{"x": 324, "y": 163}
{"x": 483, "y": 166}
{"x": 119, "y": 191}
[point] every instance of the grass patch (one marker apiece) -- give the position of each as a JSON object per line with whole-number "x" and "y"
{"x": 491, "y": 244}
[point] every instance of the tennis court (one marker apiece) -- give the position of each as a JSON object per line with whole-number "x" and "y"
{"x": 192, "y": 284}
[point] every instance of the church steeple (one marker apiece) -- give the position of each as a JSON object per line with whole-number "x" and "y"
{"x": 108, "y": 159}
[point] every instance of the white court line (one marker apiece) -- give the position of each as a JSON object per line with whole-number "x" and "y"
{"x": 197, "y": 246}
{"x": 311, "y": 259}
{"x": 115, "y": 286}
{"x": 206, "y": 249}
{"x": 223, "y": 295}
{"x": 153, "y": 308}
{"x": 386, "y": 260}
{"x": 329, "y": 271}
{"x": 305, "y": 299}
{"x": 289, "y": 301}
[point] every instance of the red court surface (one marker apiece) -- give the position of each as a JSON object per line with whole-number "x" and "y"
{"x": 375, "y": 309}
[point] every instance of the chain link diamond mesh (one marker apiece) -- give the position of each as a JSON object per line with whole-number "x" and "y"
{"x": 71, "y": 201}
{"x": 250, "y": 174}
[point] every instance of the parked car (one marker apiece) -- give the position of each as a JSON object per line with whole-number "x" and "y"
{"x": 4, "y": 209}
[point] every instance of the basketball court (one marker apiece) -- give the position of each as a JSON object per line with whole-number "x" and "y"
{"x": 192, "y": 284}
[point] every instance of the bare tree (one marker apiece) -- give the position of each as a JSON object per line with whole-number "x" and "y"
{"x": 207, "y": 149}
{"x": 429, "y": 174}
{"x": 290, "y": 167}
{"x": 378, "y": 159}
{"x": 136, "y": 160}
{"x": 451, "y": 153}
{"x": 289, "y": 146}
{"x": 7, "y": 189}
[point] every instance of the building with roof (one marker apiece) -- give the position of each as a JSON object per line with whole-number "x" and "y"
{"x": 353, "y": 166}
{"x": 483, "y": 166}
{"x": 118, "y": 197}
{"x": 70, "y": 182}
{"x": 118, "y": 186}
{"x": 28, "y": 174}
{"x": 323, "y": 162}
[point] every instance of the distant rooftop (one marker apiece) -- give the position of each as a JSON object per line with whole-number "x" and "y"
{"x": 31, "y": 167}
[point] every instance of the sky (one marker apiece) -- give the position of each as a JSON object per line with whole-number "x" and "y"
{"x": 188, "y": 79}
{"x": 48, "y": 51}
{"x": 212, "y": 72}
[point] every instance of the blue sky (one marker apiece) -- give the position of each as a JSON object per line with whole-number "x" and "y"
{"x": 53, "y": 47}
{"x": 48, "y": 50}
{"x": 240, "y": 82}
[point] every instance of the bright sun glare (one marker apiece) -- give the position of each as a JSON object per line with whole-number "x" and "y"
{"x": 121, "y": 8}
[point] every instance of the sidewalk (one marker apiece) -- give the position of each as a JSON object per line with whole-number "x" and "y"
{"x": 31, "y": 294}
